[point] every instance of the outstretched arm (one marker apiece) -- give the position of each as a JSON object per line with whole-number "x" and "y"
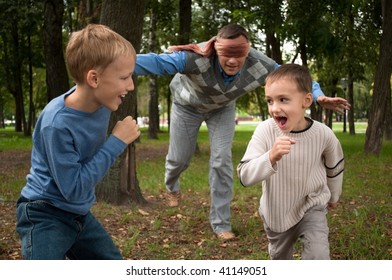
{"x": 160, "y": 64}
{"x": 337, "y": 104}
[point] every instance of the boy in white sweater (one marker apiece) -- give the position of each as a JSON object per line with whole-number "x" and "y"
{"x": 300, "y": 163}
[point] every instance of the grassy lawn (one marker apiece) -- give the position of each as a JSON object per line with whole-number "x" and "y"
{"x": 360, "y": 228}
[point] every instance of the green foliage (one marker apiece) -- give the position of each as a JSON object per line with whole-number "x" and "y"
{"x": 20, "y": 47}
{"x": 332, "y": 49}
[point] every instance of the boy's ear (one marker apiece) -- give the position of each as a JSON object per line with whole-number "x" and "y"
{"x": 92, "y": 78}
{"x": 308, "y": 99}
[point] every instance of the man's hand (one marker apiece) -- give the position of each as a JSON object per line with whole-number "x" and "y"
{"x": 337, "y": 104}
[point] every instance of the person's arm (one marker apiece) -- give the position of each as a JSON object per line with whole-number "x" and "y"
{"x": 255, "y": 165}
{"x": 334, "y": 164}
{"x": 73, "y": 177}
{"x": 337, "y": 104}
{"x": 160, "y": 64}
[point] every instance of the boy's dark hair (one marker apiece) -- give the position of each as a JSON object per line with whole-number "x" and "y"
{"x": 297, "y": 73}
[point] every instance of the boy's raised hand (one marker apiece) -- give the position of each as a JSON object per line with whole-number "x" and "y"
{"x": 126, "y": 130}
{"x": 280, "y": 148}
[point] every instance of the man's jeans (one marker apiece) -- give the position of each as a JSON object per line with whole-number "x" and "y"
{"x": 49, "y": 233}
{"x": 184, "y": 128}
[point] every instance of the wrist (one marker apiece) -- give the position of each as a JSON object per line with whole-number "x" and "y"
{"x": 320, "y": 99}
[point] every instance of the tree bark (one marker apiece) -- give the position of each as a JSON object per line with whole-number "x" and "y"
{"x": 15, "y": 81}
{"x": 350, "y": 113}
{"x": 56, "y": 71}
{"x": 350, "y": 80}
{"x": 273, "y": 47}
{"x": 120, "y": 185}
{"x": 382, "y": 85}
{"x": 388, "y": 119}
{"x": 260, "y": 100}
{"x": 185, "y": 21}
{"x": 27, "y": 130}
{"x": 153, "y": 109}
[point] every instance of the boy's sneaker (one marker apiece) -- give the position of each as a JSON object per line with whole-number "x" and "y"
{"x": 173, "y": 199}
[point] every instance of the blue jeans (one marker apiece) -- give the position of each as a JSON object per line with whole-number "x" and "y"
{"x": 49, "y": 233}
{"x": 184, "y": 128}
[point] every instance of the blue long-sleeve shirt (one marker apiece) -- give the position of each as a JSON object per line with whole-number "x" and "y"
{"x": 173, "y": 63}
{"x": 71, "y": 154}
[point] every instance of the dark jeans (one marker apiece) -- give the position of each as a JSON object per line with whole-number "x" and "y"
{"x": 49, "y": 233}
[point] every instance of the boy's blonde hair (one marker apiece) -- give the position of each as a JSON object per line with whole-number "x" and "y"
{"x": 297, "y": 73}
{"x": 94, "y": 47}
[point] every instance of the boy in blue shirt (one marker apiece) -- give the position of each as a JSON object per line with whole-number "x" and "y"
{"x": 72, "y": 153}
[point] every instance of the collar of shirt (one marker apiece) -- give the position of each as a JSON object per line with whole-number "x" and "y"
{"x": 226, "y": 78}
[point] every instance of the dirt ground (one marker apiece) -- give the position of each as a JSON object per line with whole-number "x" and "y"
{"x": 136, "y": 231}
{"x": 13, "y": 164}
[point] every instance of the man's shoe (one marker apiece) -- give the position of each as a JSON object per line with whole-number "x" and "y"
{"x": 173, "y": 199}
{"x": 226, "y": 235}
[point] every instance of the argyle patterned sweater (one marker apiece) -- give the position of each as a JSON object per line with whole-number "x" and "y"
{"x": 203, "y": 88}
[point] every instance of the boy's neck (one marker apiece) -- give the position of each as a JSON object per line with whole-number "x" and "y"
{"x": 81, "y": 100}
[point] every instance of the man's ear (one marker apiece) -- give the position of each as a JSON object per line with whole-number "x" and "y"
{"x": 92, "y": 78}
{"x": 308, "y": 99}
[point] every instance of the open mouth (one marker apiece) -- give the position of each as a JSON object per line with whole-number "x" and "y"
{"x": 281, "y": 121}
{"x": 121, "y": 98}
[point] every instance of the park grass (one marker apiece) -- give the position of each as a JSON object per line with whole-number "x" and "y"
{"x": 360, "y": 228}
{"x": 11, "y": 140}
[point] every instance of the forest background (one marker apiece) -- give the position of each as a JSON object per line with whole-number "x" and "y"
{"x": 346, "y": 44}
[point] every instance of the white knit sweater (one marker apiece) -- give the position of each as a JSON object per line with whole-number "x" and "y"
{"x": 311, "y": 174}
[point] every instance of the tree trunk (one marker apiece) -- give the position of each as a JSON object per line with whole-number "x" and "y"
{"x": 56, "y": 71}
{"x": 260, "y": 100}
{"x": 388, "y": 119}
{"x": 315, "y": 111}
{"x": 88, "y": 12}
{"x": 185, "y": 16}
{"x": 350, "y": 81}
{"x": 2, "y": 121}
{"x": 350, "y": 90}
{"x": 185, "y": 21}
{"x": 120, "y": 185}
{"x": 382, "y": 85}
{"x": 15, "y": 82}
{"x": 27, "y": 131}
{"x": 273, "y": 47}
{"x": 153, "y": 109}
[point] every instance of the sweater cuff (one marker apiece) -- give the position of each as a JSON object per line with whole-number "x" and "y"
{"x": 316, "y": 91}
